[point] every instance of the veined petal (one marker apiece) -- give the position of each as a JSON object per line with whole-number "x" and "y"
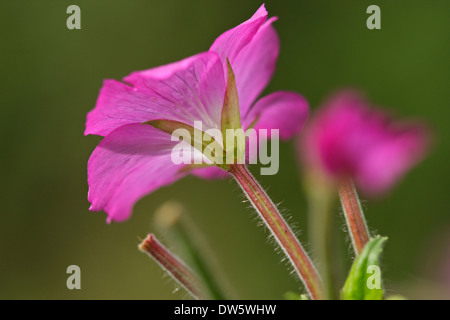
{"x": 186, "y": 91}
{"x": 252, "y": 49}
{"x": 282, "y": 110}
{"x": 129, "y": 163}
{"x": 229, "y": 44}
{"x": 255, "y": 65}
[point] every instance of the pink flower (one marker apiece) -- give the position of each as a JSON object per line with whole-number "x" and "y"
{"x": 349, "y": 139}
{"x": 134, "y": 158}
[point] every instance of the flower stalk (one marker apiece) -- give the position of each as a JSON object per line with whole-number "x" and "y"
{"x": 354, "y": 215}
{"x": 321, "y": 198}
{"x": 280, "y": 230}
{"x": 173, "y": 266}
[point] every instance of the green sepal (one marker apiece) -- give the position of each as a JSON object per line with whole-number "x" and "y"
{"x": 231, "y": 118}
{"x": 199, "y": 139}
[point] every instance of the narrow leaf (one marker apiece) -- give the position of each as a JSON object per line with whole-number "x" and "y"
{"x": 364, "y": 279}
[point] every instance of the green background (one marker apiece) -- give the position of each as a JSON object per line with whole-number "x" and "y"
{"x": 50, "y": 79}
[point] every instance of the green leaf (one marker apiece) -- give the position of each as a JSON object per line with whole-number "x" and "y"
{"x": 364, "y": 279}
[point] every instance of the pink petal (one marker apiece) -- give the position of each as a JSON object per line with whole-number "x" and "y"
{"x": 338, "y": 133}
{"x": 129, "y": 163}
{"x": 348, "y": 138}
{"x": 252, "y": 48}
{"x": 229, "y": 44}
{"x": 186, "y": 91}
{"x": 386, "y": 162}
{"x": 255, "y": 65}
{"x": 283, "y": 110}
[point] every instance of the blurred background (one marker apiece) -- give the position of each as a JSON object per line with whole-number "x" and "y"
{"x": 51, "y": 77}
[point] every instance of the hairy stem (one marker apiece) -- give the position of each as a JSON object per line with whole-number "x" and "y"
{"x": 280, "y": 230}
{"x": 173, "y": 266}
{"x": 354, "y": 215}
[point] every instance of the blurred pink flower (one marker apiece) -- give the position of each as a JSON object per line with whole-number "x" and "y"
{"x": 348, "y": 139}
{"x": 134, "y": 159}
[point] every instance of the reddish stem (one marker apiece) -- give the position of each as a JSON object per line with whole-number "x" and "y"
{"x": 280, "y": 230}
{"x": 172, "y": 265}
{"x": 353, "y": 215}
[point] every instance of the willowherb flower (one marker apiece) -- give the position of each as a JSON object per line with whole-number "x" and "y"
{"x": 134, "y": 158}
{"x": 349, "y": 139}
